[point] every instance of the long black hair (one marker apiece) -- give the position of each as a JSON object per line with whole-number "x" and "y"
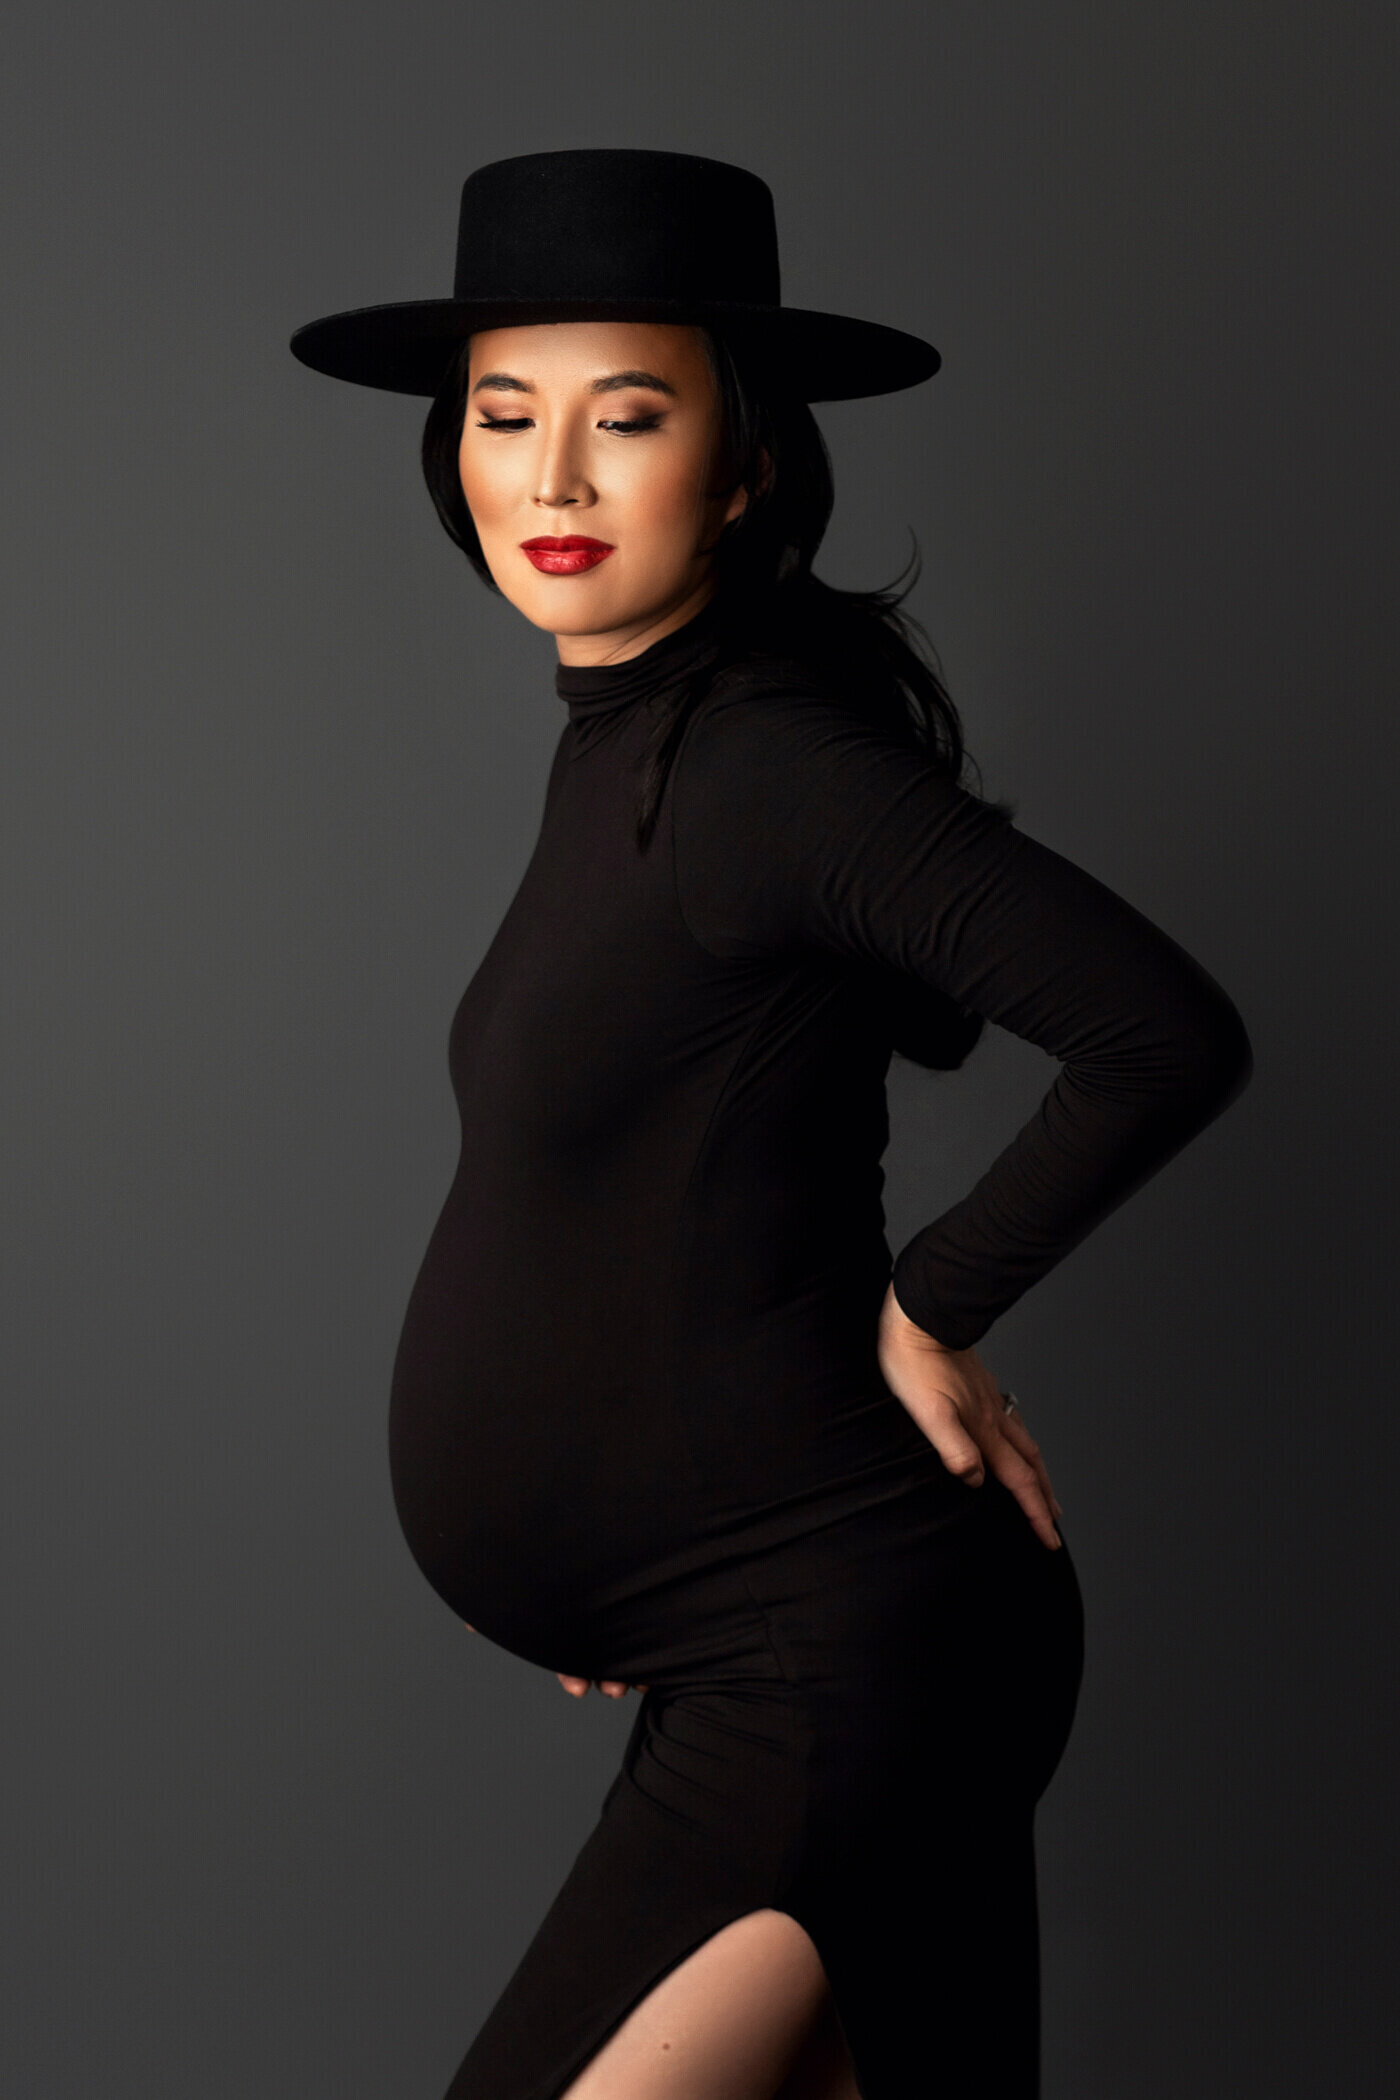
{"x": 859, "y": 644}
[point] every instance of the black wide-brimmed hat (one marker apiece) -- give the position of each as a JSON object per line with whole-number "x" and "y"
{"x": 613, "y": 233}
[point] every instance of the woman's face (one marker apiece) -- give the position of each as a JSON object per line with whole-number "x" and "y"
{"x": 606, "y": 431}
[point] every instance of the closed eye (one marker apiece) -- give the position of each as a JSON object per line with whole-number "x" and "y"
{"x": 619, "y": 428}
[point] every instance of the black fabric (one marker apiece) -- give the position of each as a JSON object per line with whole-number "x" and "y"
{"x": 637, "y": 1425}
{"x": 618, "y": 233}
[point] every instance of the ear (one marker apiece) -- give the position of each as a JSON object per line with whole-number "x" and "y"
{"x": 739, "y": 501}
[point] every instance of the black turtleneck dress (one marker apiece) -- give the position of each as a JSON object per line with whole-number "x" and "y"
{"x": 637, "y": 1425}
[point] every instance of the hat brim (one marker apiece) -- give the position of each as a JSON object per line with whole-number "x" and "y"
{"x": 406, "y": 348}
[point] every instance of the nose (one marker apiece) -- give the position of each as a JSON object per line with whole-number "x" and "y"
{"x": 554, "y": 493}
{"x": 560, "y": 483}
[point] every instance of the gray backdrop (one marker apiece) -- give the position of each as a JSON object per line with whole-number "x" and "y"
{"x": 281, "y": 1827}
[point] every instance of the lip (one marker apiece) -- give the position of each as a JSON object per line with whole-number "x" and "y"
{"x": 566, "y": 556}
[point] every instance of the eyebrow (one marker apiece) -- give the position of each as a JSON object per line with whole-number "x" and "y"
{"x": 505, "y": 382}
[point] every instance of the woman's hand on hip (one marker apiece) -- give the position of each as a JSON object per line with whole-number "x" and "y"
{"x": 956, "y": 1402}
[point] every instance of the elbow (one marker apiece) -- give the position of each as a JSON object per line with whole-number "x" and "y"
{"x": 1217, "y": 1055}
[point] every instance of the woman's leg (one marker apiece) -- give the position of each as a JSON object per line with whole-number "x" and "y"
{"x": 823, "y": 2069}
{"x": 746, "y": 2016}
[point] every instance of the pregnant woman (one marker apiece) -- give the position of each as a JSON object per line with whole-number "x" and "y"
{"x": 666, "y": 1413}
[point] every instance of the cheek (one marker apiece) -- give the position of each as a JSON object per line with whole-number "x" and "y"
{"x": 464, "y": 475}
{"x": 482, "y": 484}
{"x": 665, "y": 496}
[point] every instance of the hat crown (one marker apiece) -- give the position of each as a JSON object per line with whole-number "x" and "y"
{"x": 608, "y": 232}
{"x": 611, "y": 224}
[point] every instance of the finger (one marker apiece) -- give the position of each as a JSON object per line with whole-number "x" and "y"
{"x": 1014, "y": 1428}
{"x": 612, "y": 1687}
{"x": 1017, "y": 1473}
{"x": 577, "y": 1686}
{"x": 959, "y": 1451}
{"x": 470, "y": 1629}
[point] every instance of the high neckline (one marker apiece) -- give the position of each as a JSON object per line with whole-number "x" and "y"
{"x": 596, "y": 689}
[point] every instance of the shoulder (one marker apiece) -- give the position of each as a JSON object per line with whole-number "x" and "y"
{"x": 794, "y": 815}
{"x": 779, "y": 771}
{"x": 769, "y": 729}
{"x": 750, "y": 803}
{"x": 781, "y": 693}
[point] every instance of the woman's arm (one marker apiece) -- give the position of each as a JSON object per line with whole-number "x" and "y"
{"x": 799, "y": 827}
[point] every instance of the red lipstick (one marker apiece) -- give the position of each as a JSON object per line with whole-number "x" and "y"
{"x": 568, "y": 556}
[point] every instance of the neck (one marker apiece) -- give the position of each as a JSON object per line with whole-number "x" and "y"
{"x": 619, "y": 643}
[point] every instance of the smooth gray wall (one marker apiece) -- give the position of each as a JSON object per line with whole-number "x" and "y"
{"x": 281, "y": 1826}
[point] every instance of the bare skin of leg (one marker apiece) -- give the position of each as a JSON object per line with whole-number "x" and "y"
{"x": 747, "y": 2016}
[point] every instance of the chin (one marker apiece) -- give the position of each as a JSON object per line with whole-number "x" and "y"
{"x": 554, "y": 620}
{"x": 583, "y": 612}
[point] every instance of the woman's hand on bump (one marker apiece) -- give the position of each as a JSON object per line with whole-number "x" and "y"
{"x": 609, "y": 1686}
{"x": 956, "y": 1402}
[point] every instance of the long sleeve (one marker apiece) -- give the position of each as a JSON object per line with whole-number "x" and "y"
{"x": 800, "y": 829}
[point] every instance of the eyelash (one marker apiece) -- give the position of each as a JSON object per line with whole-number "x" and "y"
{"x": 633, "y": 428}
